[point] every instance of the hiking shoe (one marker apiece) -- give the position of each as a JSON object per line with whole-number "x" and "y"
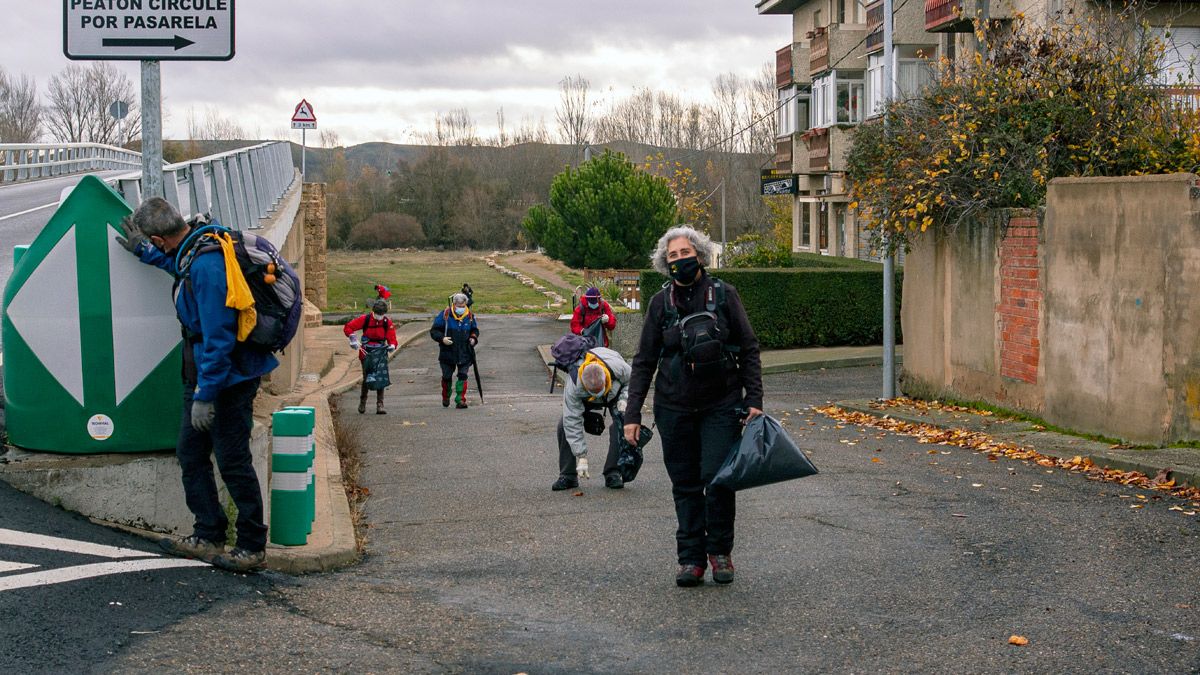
{"x": 240, "y": 560}
{"x": 380, "y": 411}
{"x": 460, "y": 405}
{"x": 614, "y": 481}
{"x": 193, "y": 547}
{"x": 445, "y": 403}
{"x": 565, "y": 483}
{"x": 689, "y": 575}
{"x": 722, "y": 568}
{"x": 362, "y": 407}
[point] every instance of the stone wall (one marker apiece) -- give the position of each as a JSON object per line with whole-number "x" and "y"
{"x": 1088, "y": 318}
{"x": 316, "y": 279}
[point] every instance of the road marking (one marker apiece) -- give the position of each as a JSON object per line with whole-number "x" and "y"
{"x": 14, "y": 566}
{"x": 29, "y": 540}
{"x": 26, "y": 211}
{"x": 77, "y": 572}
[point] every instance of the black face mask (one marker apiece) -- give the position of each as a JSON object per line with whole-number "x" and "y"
{"x": 684, "y": 270}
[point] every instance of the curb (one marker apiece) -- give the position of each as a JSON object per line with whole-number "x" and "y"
{"x": 846, "y": 362}
{"x": 1183, "y": 463}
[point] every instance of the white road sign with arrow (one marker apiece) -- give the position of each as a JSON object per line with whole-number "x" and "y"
{"x": 157, "y": 30}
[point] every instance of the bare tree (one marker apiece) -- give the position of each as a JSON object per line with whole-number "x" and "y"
{"x": 79, "y": 98}
{"x": 453, "y": 128}
{"x": 329, "y": 139}
{"x": 214, "y": 126}
{"x": 501, "y": 132}
{"x": 574, "y": 115}
{"x": 726, "y": 112}
{"x": 761, "y": 101}
{"x": 20, "y": 111}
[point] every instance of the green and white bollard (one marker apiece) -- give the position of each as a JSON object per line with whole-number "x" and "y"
{"x": 292, "y": 503}
{"x": 312, "y": 459}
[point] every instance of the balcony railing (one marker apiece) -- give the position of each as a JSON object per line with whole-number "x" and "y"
{"x": 783, "y": 67}
{"x": 783, "y": 154}
{"x": 817, "y": 141}
{"x": 945, "y": 16}
{"x": 874, "y": 26}
{"x": 1186, "y": 97}
{"x": 818, "y": 54}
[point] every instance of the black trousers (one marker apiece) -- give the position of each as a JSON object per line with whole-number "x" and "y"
{"x": 566, "y": 459}
{"x": 229, "y": 441}
{"x": 695, "y": 445}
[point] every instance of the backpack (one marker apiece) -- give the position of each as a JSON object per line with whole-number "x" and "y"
{"x": 566, "y": 352}
{"x": 703, "y": 350}
{"x": 278, "y": 296}
{"x": 368, "y": 318}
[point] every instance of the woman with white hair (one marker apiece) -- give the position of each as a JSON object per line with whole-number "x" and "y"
{"x": 455, "y": 331}
{"x": 709, "y": 383}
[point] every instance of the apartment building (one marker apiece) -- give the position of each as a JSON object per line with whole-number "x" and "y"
{"x": 830, "y": 79}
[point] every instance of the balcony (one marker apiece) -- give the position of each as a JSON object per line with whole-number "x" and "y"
{"x": 783, "y": 67}
{"x": 783, "y": 154}
{"x": 1185, "y": 97}
{"x": 875, "y": 26}
{"x": 826, "y": 149}
{"x": 958, "y": 16}
{"x": 835, "y": 45}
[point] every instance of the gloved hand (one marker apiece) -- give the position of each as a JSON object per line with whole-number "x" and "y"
{"x": 133, "y": 238}
{"x": 472, "y": 341}
{"x": 203, "y": 413}
{"x": 447, "y": 341}
{"x": 354, "y": 343}
{"x": 581, "y": 467}
{"x": 391, "y": 348}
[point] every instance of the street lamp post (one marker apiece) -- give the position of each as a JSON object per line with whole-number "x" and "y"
{"x": 889, "y": 276}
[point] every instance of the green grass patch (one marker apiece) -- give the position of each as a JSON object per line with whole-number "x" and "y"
{"x": 422, "y": 281}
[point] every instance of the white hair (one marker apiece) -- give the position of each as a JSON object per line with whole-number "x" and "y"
{"x": 698, "y": 240}
{"x": 459, "y": 298}
{"x": 593, "y": 378}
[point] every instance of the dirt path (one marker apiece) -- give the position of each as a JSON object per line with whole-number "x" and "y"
{"x": 538, "y": 265}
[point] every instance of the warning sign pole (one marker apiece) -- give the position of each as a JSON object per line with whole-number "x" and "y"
{"x": 303, "y": 119}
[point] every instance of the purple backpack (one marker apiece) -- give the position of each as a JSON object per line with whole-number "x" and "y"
{"x": 567, "y": 351}
{"x": 278, "y": 295}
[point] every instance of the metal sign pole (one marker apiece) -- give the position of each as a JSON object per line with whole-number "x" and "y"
{"x": 303, "y": 153}
{"x": 889, "y": 275}
{"x": 152, "y": 149}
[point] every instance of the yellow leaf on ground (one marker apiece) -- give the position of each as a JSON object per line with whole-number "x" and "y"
{"x": 1018, "y": 640}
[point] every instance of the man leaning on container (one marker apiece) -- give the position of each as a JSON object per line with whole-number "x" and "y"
{"x": 220, "y": 380}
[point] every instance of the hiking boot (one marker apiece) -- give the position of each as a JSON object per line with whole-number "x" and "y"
{"x": 614, "y": 481}
{"x": 445, "y": 393}
{"x": 192, "y": 547}
{"x": 689, "y": 575}
{"x": 362, "y": 406}
{"x": 565, "y": 483}
{"x": 722, "y": 568}
{"x": 460, "y": 394}
{"x": 241, "y": 560}
{"x": 460, "y": 405}
{"x": 379, "y": 409}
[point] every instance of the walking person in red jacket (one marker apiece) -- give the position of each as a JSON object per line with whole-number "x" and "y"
{"x": 593, "y": 308}
{"x": 378, "y": 335}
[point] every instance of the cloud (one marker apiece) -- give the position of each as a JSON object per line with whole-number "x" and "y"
{"x": 388, "y": 68}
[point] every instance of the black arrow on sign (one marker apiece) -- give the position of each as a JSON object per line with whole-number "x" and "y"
{"x": 178, "y": 42}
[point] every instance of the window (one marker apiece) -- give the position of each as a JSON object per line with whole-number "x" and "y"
{"x": 1180, "y": 62}
{"x": 913, "y": 72}
{"x": 851, "y": 11}
{"x": 837, "y": 99}
{"x": 850, "y": 101}
{"x": 785, "y": 114}
{"x": 820, "y": 114}
{"x": 805, "y": 225}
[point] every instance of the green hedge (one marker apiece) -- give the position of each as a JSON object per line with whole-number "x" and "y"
{"x": 801, "y": 307}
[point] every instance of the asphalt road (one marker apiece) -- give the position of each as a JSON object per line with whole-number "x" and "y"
{"x": 898, "y": 557}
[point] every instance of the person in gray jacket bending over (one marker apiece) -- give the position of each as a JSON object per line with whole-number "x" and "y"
{"x": 599, "y": 381}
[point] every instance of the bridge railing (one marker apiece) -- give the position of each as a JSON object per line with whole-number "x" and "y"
{"x": 28, "y": 161}
{"x": 238, "y": 188}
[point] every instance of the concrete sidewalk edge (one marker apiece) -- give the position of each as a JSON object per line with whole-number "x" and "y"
{"x": 1183, "y": 463}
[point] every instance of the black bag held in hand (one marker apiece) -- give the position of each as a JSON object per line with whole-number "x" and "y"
{"x": 593, "y": 422}
{"x": 765, "y": 454}
{"x": 630, "y": 460}
{"x": 375, "y": 367}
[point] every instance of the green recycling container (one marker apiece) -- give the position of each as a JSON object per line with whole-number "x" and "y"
{"x": 91, "y": 342}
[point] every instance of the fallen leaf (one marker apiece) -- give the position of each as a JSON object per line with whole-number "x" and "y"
{"x": 976, "y": 484}
{"x": 1018, "y": 640}
{"x": 1137, "y": 506}
{"x": 577, "y": 494}
{"x": 958, "y": 515}
{"x": 876, "y": 459}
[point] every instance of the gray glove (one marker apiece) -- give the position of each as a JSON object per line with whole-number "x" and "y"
{"x": 447, "y": 341}
{"x": 134, "y": 237}
{"x": 203, "y": 413}
{"x": 581, "y": 467}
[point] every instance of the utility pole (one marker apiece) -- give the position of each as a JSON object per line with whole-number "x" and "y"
{"x": 152, "y": 148}
{"x": 889, "y": 275}
{"x": 723, "y": 220}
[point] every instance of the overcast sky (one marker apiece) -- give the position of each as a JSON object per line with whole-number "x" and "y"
{"x": 381, "y": 70}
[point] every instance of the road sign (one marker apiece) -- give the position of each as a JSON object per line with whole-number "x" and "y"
{"x": 148, "y": 30}
{"x": 118, "y": 109}
{"x": 304, "y": 118}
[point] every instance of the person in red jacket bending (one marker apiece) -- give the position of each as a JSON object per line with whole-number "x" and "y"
{"x": 378, "y": 334}
{"x": 593, "y": 308}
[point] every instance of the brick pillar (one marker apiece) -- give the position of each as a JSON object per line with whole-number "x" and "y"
{"x": 316, "y": 279}
{"x": 1020, "y": 306}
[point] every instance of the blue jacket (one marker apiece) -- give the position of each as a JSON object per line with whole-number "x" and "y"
{"x": 200, "y": 305}
{"x": 459, "y": 330}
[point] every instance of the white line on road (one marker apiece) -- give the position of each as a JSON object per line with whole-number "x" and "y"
{"x": 29, "y": 540}
{"x": 14, "y": 566}
{"x": 21, "y": 213}
{"x": 64, "y": 574}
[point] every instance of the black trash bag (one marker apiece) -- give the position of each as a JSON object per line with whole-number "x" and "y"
{"x": 629, "y": 462}
{"x": 375, "y": 368}
{"x": 593, "y": 422}
{"x": 765, "y": 454}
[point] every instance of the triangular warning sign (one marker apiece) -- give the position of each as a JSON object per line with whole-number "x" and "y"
{"x": 304, "y": 112}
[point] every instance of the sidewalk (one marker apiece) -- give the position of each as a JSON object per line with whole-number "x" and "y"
{"x": 1183, "y": 463}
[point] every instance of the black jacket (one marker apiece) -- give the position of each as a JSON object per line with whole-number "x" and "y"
{"x": 679, "y": 393}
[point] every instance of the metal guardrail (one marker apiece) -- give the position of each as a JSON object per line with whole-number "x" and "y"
{"x": 238, "y": 187}
{"x": 28, "y": 161}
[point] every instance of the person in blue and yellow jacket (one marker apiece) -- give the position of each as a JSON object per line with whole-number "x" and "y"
{"x": 455, "y": 330}
{"x": 221, "y": 377}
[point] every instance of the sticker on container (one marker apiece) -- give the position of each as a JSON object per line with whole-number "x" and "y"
{"x": 100, "y": 427}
